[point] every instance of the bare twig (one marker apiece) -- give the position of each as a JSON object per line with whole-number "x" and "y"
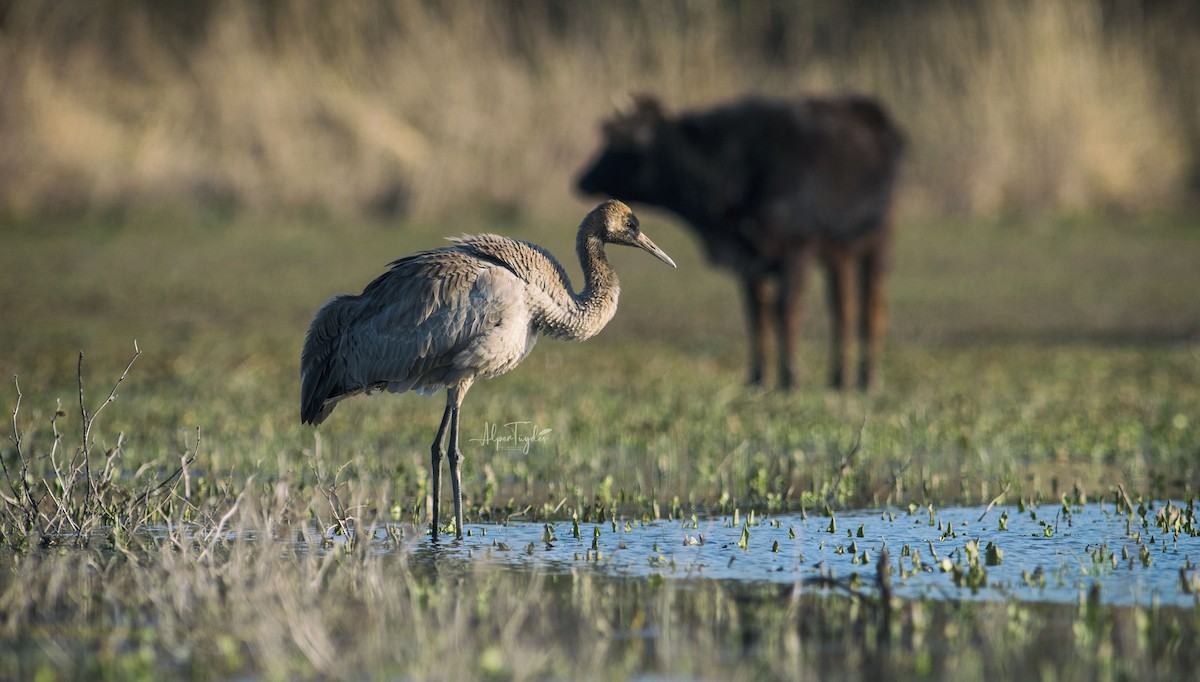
{"x": 65, "y": 483}
{"x": 933, "y": 553}
{"x": 16, "y": 440}
{"x": 89, "y": 421}
{"x": 187, "y": 479}
{"x": 110, "y": 460}
{"x": 65, "y": 496}
{"x": 995, "y": 500}
{"x": 22, "y": 495}
{"x": 86, "y": 426}
{"x": 1125, "y": 497}
{"x": 61, "y": 505}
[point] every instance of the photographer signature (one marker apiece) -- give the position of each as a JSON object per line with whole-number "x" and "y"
{"x": 513, "y": 436}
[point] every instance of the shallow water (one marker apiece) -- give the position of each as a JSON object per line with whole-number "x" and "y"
{"x": 1052, "y": 553}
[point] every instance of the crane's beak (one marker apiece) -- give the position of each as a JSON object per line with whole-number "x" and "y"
{"x": 643, "y": 242}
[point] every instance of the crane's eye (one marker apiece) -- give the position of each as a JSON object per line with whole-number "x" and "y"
{"x": 632, "y": 224}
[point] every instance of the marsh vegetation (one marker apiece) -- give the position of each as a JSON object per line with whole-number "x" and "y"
{"x": 168, "y": 209}
{"x": 209, "y": 536}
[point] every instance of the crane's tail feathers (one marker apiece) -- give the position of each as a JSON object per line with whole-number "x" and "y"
{"x": 322, "y": 370}
{"x": 315, "y": 414}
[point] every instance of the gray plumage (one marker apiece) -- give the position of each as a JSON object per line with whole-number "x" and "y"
{"x": 446, "y": 317}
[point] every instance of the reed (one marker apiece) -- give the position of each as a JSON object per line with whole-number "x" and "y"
{"x": 408, "y": 107}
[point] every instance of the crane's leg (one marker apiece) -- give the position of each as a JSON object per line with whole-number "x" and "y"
{"x": 437, "y": 463}
{"x": 456, "y": 396}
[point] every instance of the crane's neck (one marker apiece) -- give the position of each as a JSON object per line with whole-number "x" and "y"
{"x": 586, "y": 313}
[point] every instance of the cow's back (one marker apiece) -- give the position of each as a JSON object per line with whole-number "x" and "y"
{"x": 792, "y": 168}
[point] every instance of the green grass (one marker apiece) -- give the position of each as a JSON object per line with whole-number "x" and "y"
{"x": 1046, "y": 358}
{"x": 1033, "y": 355}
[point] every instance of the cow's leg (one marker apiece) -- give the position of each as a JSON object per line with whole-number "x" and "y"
{"x": 843, "y": 316}
{"x": 758, "y": 303}
{"x": 791, "y": 312}
{"x": 873, "y": 326}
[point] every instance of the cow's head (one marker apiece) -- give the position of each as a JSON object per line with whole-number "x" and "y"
{"x": 630, "y": 164}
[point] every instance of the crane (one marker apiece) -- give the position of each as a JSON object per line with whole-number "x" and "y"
{"x": 446, "y": 317}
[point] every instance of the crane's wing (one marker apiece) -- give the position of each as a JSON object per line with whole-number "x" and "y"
{"x": 436, "y": 318}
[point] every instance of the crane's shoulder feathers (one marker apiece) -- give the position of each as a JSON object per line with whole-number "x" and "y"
{"x": 528, "y": 261}
{"x": 432, "y": 320}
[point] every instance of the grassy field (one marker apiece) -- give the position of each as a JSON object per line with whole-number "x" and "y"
{"x": 1045, "y": 358}
{"x": 1019, "y": 353}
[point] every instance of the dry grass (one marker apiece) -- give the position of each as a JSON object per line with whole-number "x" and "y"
{"x": 427, "y": 109}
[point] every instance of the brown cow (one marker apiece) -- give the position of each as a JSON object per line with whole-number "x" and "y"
{"x": 767, "y": 185}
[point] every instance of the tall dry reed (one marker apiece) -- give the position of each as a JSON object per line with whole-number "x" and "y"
{"x": 418, "y": 108}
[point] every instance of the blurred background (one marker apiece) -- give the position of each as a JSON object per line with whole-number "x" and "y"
{"x": 423, "y": 110}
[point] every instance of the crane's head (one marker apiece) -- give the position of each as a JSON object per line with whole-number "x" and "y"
{"x": 615, "y": 223}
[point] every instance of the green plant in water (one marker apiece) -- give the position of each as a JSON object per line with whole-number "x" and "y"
{"x": 994, "y": 555}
